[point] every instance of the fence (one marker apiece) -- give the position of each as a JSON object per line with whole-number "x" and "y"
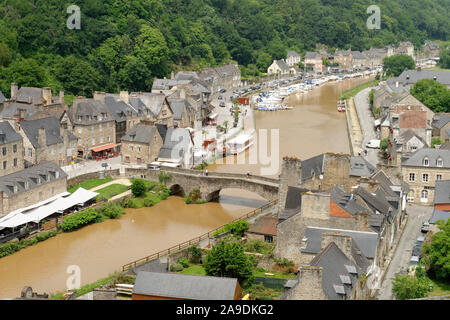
{"x": 196, "y": 240}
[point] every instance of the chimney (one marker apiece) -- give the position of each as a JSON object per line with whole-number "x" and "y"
{"x": 291, "y": 175}
{"x": 343, "y": 241}
{"x": 42, "y": 139}
{"x": 61, "y": 97}
{"x": 22, "y": 113}
{"x": 172, "y": 75}
{"x": 14, "y": 90}
{"x": 362, "y": 221}
{"x": 124, "y": 96}
{"x": 309, "y": 284}
{"x": 47, "y": 95}
{"x": 99, "y": 96}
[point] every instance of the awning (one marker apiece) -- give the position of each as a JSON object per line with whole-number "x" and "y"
{"x": 212, "y": 116}
{"x": 105, "y": 147}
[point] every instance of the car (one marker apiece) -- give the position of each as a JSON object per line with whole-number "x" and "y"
{"x": 222, "y": 104}
{"x": 374, "y": 144}
{"x": 417, "y": 250}
{"x": 219, "y": 97}
{"x": 425, "y": 227}
{"x": 154, "y": 166}
{"x": 223, "y": 91}
{"x": 420, "y": 240}
{"x": 414, "y": 261}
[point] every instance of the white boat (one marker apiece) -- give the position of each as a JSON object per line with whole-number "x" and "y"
{"x": 239, "y": 144}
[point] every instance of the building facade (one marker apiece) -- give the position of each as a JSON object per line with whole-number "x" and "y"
{"x": 11, "y": 149}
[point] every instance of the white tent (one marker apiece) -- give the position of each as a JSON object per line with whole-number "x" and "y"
{"x": 20, "y": 217}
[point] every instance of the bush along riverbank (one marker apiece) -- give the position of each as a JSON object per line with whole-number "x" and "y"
{"x": 151, "y": 193}
{"x": 194, "y": 197}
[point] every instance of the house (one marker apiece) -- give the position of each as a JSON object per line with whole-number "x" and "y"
{"x": 29, "y": 186}
{"x": 409, "y": 77}
{"x": 422, "y": 169}
{"x": 358, "y": 60}
{"x": 47, "y": 140}
{"x": 442, "y": 195}
{"x": 373, "y": 58}
{"x": 415, "y": 121}
{"x": 229, "y": 76}
{"x": 174, "y": 286}
{"x": 314, "y": 62}
{"x": 344, "y": 58}
{"x": 293, "y": 58}
{"x": 432, "y": 49}
{"x": 183, "y": 115}
{"x": 407, "y": 142}
{"x": 158, "y": 108}
{"x": 405, "y": 48}
{"x": 178, "y": 148}
{"x": 278, "y": 67}
{"x": 35, "y": 96}
{"x": 334, "y": 274}
{"x": 94, "y": 125}
{"x": 141, "y": 144}
{"x": 11, "y": 146}
{"x": 264, "y": 229}
{"x": 441, "y": 126}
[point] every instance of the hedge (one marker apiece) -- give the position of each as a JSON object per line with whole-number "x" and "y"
{"x": 80, "y": 219}
{"x": 10, "y": 247}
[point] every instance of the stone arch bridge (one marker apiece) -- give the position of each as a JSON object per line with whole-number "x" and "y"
{"x": 183, "y": 181}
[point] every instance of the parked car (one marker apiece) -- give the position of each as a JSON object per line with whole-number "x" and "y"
{"x": 414, "y": 261}
{"x": 420, "y": 240}
{"x": 374, "y": 144}
{"x": 219, "y": 97}
{"x": 417, "y": 251}
{"x": 222, "y": 104}
{"x": 425, "y": 227}
{"x": 223, "y": 91}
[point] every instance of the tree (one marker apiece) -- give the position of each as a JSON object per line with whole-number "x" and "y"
{"x": 433, "y": 94}
{"x": 410, "y": 287}
{"x": 138, "y": 188}
{"x": 396, "y": 64}
{"x": 227, "y": 259}
{"x": 26, "y": 72}
{"x": 436, "y": 141}
{"x": 77, "y": 76}
{"x": 437, "y": 253}
{"x": 444, "y": 58}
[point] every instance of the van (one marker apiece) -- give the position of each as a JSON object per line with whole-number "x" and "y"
{"x": 374, "y": 144}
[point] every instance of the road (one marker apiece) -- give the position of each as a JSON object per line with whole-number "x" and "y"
{"x": 417, "y": 215}
{"x": 366, "y": 121}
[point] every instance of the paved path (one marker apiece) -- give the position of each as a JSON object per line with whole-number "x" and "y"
{"x": 366, "y": 122}
{"x": 125, "y": 182}
{"x": 417, "y": 215}
{"x": 356, "y": 134}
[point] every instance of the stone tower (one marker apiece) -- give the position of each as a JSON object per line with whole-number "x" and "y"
{"x": 291, "y": 175}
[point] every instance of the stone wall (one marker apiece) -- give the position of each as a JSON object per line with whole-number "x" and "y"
{"x": 10, "y": 156}
{"x": 309, "y": 285}
{"x": 93, "y": 175}
{"x": 95, "y": 135}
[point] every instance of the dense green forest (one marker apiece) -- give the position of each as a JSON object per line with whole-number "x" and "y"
{"x": 124, "y": 44}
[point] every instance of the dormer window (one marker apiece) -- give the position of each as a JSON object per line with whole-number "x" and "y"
{"x": 439, "y": 162}
{"x": 57, "y": 174}
{"x": 426, "y": 162}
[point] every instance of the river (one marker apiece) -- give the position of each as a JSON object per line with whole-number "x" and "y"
{"x": 313, "y": 127}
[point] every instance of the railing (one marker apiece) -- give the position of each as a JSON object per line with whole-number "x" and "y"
{"x": 187, "y": 244}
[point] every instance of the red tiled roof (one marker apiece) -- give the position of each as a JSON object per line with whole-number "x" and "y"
{"x": 265, "y": 226}
{"x": 413, "y": 119}
{"x": 336, "y": 211}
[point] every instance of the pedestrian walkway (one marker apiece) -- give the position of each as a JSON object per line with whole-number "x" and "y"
{"x": 356, "y": 134}
{"x": 125, "y": 182}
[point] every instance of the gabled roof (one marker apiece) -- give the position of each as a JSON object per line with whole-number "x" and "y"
{"x": 439, "y": 215}
{"x": 30, "y": 95}
{"x": 416, "y": 159}
{"x": 442, "y": 192}
{"x": 52, "y": 131}
{"x": 88, "y": 109}
{"x": 293, "y": 203}
{"x": 119, "y": 109}
{"x": 153, "y": 102}
{"x": 176, "y": 144}
{"x": 313, "y": 167}
{"x": 342, "y": 53}
{"x": 360, "y": 167}
{"x": 366, "y": 241}
{"x": 292, "y": 53}
{"x": 373, "y": 201}
{"x": 178, "y": 106}
{"x": 282, "y": 65}
{"x": 312, "y": 55}
{"x": 345, "y": 201}
{"x": 444, "y": 118}
{"x": 408, "y": 135}
{"x": 184, "y": 286}
{"x": 8, "y": 134}
{"x": 442, "y": 76}
{"x": 358, "y": 55}
{"x": 413, "y": 119}
{"x": 12, "y": 110}
{"x": 385, "y": 183}
{"x": 142, "y": 133}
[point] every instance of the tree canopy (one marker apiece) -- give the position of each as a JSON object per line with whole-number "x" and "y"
{"x": 437, "y": 253}
{"x": 124, "y": 44}
{"x": 396, "y": 64}
{"x": 433, "y": 94}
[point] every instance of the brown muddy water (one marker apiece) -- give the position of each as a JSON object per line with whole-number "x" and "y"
{"x": 102, "y": 248}
{"x": 313, "y": 127}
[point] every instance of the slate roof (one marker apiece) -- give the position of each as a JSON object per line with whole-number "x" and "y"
{"x": 342, "y": 53}
{"x": 442, "y": 192}
{"x": 119, "y": 109}
{"x": 52, "y": 131}
{"x": 178, "y": 106}
{"x": 312, "y": 55}
{"x": 8, "y": 134}
{"x": 292, "y": 53}
{"x": 162, "y": 129}
{"x": 313, "y": 167}
{"x": 439, "y": 215}
{"x": 12, "y": 110}
{"x": 293, "y": 203}
{"x": 408, "y": 135}
{"x": 360, "y": 167}
{"x": 2, "y": 97}
{"x": 373, "y": 201}
{"x": 444, "y": 118}
{"x": 416, "y": 159}
{"x": 265, "y": 226}
{"x": 153, "y": 266}
{"x": 153, "y": 101}
{"x": 227, "y": 69}
{"x": 366, "y": 241}
{"x": 30, "y": 95}
{"x": 31, "y": 174}
{"x": 184, "y": 286}
{"x": 442, "y": 76}
{"x": 176, "y": 144}
{"x": 140, "y": 133}
{"x": 358, "y": 55}
{"x": 88, "y": 109}
{"x": 346, "y": 201}
{"x": 282, "y": 65}
{"x": 384, "y": 183}
{"x": 334, "y": 270}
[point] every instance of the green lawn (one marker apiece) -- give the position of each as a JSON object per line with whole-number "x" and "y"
{"x": 276, "y": 274}
{"x": 89, "y": 184}
{"x": 440, "y": 288}
{"x": 195, "y": 269}
{"x": 111, "y": 190}
{"x": 347, "y": 94}
{"x": 86, "y": 288}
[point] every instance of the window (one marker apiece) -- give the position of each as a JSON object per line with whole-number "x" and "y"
{"x": 101, "y": 139}
{"x": 80, "y": 130}
{"x": 439, "y": 162}
{"x": 4, "y": 151}
{"x": 15, "y": 189}
{"x": 15, "y": 148}
{"x": 139, "y": 149}
{"x": 100, "y": 127}
{"x": 109, "y": 138}
{"x": 27, "y": 185}
{"x": 413, "y": 148}
{"x": 268, "y": 239}
{"x": 38, "y": 181}
{"x": 410, "y": 197}
{"x": 30, "y": 152}
{"x": 40, "y": 195}
{"x": 57, "y": 174}
{"x": 424, "y": 195}
{"x": 131, "y": 148}
{"x": 52, "y": 151}
{"x": 412, "y": 177}
{"x": 4, "y": 165}
{"x": 426, "y": 162}
{"x": 53, "y": 191}
{"x": 425, "y": 177}
{"x": 92, "y": 128}
{"x": 438, "y": 177}
{"x": 15, "y": 162}
{"x": 127, "y": 159}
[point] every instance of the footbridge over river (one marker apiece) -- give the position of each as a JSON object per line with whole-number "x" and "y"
{"x": 183, "y": 181}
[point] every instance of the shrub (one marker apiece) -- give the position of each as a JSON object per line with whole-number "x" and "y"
{"x": 176, "y": 267}
{"x": 111, "y": 210}
{"x": 195, "y": 253}
{"x": 148, "y": 202}
{"x": 187, "y": 200}
{"x": 184, "y": 262}
{"x": 255, "y": 245}
{"x": 138, "y": 188}
{"x": 80, "y": 219}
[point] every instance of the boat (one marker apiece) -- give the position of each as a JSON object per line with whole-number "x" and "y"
{"x": 239, "y": 144}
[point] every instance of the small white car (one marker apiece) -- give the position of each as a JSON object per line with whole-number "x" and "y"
{"x": 374, "y": 144}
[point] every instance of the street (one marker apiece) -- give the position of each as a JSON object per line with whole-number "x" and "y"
{"x": 417, "y": 215}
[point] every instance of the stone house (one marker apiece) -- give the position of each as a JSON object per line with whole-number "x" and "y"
{"x": 183, "y": 116}
{"x": 293, "y": 58}
{"x": 405, "y": 48}
{"x": 11, "y": 149}
{"x": 409, "y": 77}
{"x": 47, "y": 140}
{"x": 264, "y": 229}
{"x": 373, "y": 58}
{"x": 278, "y": 67}
{"x": 141, "y": 144}
{"x": 358, "y": 60}
{"x": 229, "y": 76}
{"x": 35, "y": 96}
{"x": 407, "y": 142}
{"x": 94, "y": 125}
{"x": 344, "y": 58}
{"x": 178, "y": 148}
{"x": 32, "y": 185}
{"x": 159, "y": 110}
{"x": 313, "y": 60}
{"x": 432, "y": 50}
{"x": 422, "y": 169}
{"x": 441, "y": 126}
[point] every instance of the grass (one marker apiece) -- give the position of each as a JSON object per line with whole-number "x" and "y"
{"x": 276, "y": 274}
{"x": 259, "y": 292}
{"x": 195, "y": 269}
{"x": 112, "y": 190}
{"x": 89, "y": 184}
{"x": 347, "y": 94}
{"x": 87, "y": 288}
{"x": 440, "y": 288}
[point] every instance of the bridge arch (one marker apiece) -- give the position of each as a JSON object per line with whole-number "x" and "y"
{"x": 176, "y": 189}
